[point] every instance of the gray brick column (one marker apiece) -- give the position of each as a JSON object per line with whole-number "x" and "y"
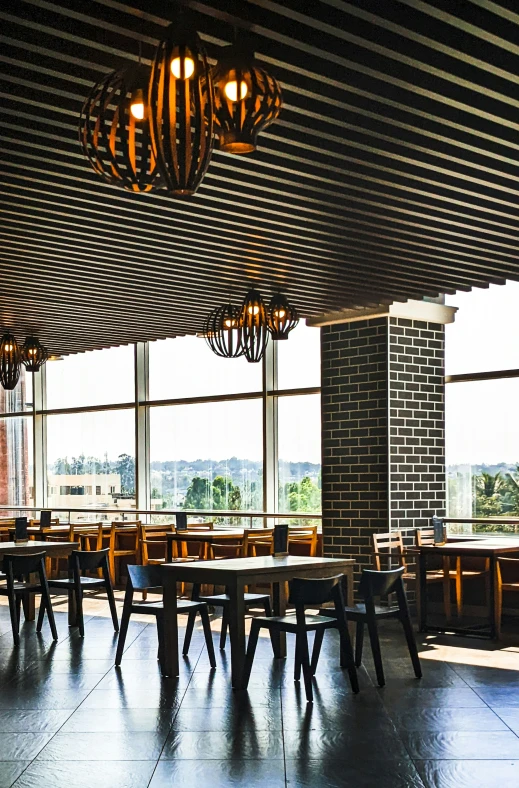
{"x": 383, "y": 441}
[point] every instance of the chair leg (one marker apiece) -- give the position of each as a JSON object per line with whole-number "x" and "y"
{"x": 297, "y": 662}
{"x": 223, "y": 631}
{"x": 375, "y": 648}
{"x": 347, "y": 658}
{"x": 305, "y": 664}
{"x": 111, "y": 598}
{"x": 359, "y": 642}
{"x": 15, "y": 622}
{"x": 41, "y": 614}
{"x": 45, "y": 595}
{"x": 446, "y": 587}
{"x": 79, "y": 610}
{"x": 316, "y": 651}
{"x": 18, "y": 609}
{"x": 411, "y": 642}
{"x": 189, "y": 632}
{"x": 125, "y": 620}
{"x": 459, "y": 588}
{"x": 204, "y": 615}
{"x": 251, "y": 650}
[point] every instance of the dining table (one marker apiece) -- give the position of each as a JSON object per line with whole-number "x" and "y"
{"x": 52, "y": 550}
{"x": 490, "y": 549}
{"x": 203, "y": 538}
{"x": 235, "y": 574}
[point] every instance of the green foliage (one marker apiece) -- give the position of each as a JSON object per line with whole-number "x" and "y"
{"x": 221, "y": 493}
{"x": 303, "y": 496}
{"x": 496, "y": 495}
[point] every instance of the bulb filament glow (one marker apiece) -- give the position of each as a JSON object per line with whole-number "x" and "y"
{"x": 176, "y": 67}
{"x": 231, "y": 90}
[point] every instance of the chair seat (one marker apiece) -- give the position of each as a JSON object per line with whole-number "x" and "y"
{"x": 289, "y": 622}
{"x": 184, "y": 606}
{"x": 224, "y": 599}
{"x": 510, "y": 587}
{"x": 91, "y": 582}
{"x": 381, "y": 611}
{"x": 20, "y": 588}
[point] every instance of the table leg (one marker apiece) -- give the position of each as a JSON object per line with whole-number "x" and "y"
{"x": 170, "y": 661}
{"x": 422, "y": 571}
{"x": 236, "y": 614}
{"x": 279, "y": 598}
{"x": 72, "y": 609}
{"x": 493, "y": 598}
{"x": 29, "y": 607}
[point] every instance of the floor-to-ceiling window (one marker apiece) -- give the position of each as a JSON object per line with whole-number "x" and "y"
{"x": 169, "y": 425}
{"x": 482, "y": 415}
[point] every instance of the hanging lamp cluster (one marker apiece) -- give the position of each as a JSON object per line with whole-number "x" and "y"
{"x": 244, "y": 331}
{"x": 145, "y": 130}
{"x": 31, "y": 354}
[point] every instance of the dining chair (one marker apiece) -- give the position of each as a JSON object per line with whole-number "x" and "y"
{"x": 81, "y": 561}
{"x": 507, "y": 576}
{"x": 375, "y": 584}
{"x": 18, "y": 591}
{"x": 149, "y": 578}
{"x": 307, "y": 592}
{"x": 124, "y": 542}
{"x": 155, "y": 537}
{"x": 389, "y": 547}
{"x": 304, "y": 535}
{"x": 262, "y": 538}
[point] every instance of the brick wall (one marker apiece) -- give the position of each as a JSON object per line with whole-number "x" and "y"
{"x": 382, "y": 431}
{"x": 354, "y": 364}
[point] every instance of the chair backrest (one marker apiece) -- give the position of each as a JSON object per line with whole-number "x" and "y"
{"x": 126, "y": 528}
{"x": 314, "y": 591}
{"x": 374, "y": 583}
{"x": 36, "y": 523}
{"x": 200, "y": 527}
{"x": 88, "y": 560}
{"x": 253, "y": 537}
{"x": 424, "y": 536}
{"x": 388, "y": 545}
{"x": 22, "y": 565}
{"x": 305, "y": 534}
{"x": 141, "y": 578}
{"x": 156, "y": 531}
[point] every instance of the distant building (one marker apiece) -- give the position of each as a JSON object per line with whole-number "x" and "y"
{"x": 85, "y": 490}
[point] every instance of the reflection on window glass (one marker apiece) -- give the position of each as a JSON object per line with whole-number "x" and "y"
{"x": 91, "y": 460}
{"x": 299, "y": 451}
{"x": 483, "y": 335}
{"x": 207, "y": 456}
{"x": 482, "y": 452}
{"x": 16, "y": 461}
{"x": 187, "y": 367}
{"x": 299, "y": 358}
{"x": 99, "y": 377}
{"x": 20, "y": 398}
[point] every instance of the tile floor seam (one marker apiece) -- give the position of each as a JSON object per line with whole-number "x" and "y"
{"x": 516, "y": 734}
{"x": 72, "y": 711}
{"x": 175, "y": 716}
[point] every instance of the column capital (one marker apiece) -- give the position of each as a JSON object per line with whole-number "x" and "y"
{"x": 428, "y": 311}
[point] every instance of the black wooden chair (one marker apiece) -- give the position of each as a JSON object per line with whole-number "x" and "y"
{"x": 77, "y": 583}
{"x": 18, "y": 591}
{"x": 149, "y": 578}
{"x": 375, "y": 584}
{"x": 304, "y": 592}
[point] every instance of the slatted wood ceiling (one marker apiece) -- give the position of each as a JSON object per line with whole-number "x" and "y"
{"x": 391, "y": 173}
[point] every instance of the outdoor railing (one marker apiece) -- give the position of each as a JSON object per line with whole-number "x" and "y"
{"x": 234, "y": 517}
{"x": 496, "y": 526}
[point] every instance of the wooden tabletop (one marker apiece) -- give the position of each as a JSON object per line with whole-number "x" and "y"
{"x": 476, "y": 547}
{"x": 32, "y": 546}
{"x": 207, "y": 536}
{"x": 259, "y": 565}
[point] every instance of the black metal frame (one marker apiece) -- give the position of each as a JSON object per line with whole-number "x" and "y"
{"x": 10, "y": 361}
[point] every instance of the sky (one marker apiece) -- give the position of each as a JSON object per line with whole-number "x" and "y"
{"x": 184, "y": 367}
{"x": 481, "y": 417}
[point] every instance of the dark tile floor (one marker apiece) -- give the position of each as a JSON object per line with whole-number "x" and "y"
{"x": 69, "y": 719}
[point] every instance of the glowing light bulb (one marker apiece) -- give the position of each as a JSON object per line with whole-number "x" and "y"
{"x": 228, "y": 323}
{"x": 189, "y": 67}
{"x": 231, "y": 90}
{"x": 254, "y": 310}
{"x": 9, "y": 347}
{"x": 280, "y": 313}
{"x": 137, "y": 110}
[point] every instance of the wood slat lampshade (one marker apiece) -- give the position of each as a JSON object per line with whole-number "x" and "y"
{"x": 10, "y": 364}
{"x": 282, "y": 317}
{"x": 254, "y": 326}
{"x": 222, "y": 331}
{"x": 33, "y": 354}
{"x": 247, "y": 99}
{"x": 114, "y": 130}
{"x": 181, "y": 100}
